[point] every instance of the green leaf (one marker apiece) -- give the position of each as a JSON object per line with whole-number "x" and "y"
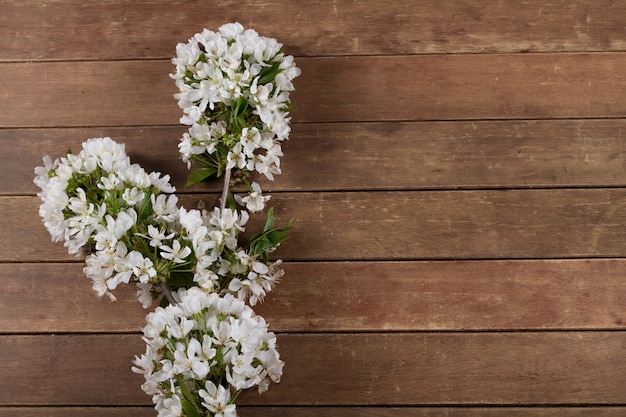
{"x": 278, "y": 235}
{"x": 268, "y": 74}
{"x": 188, "y": 400}
{"x": 205, "y": 160}
{"x": 145, "y": 207}
{"x": 189, "y": 409}
{"x": 201, "y": 175}
{"x": 270, "y": 238}
{"x": 269, "y": 222}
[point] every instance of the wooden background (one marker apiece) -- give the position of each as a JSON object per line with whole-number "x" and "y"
{"x": 457, "y": 174}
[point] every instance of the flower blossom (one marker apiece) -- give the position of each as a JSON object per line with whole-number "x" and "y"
{"x": 234, "y": 74}
{"x": 213, "y": 344}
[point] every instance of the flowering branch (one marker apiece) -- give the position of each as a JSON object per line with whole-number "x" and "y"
{"x": 225, "y": 190}
{"x": 166, "y": 292}
{"x": 204, "y": 344}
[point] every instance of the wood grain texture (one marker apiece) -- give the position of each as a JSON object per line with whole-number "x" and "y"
{"x": 509, "y": 368}
{"x": 456, "y": 295}
{"x": 77, "y": 411}
{"x": 64, "y": 30}
{"x": 372, "y": 156}
{"x": 431, "y": 412}
{"x": 497, "y": 224}
{"x": 332, "y": 89}
{"x": 456, "y": 224}
{"x": 456, "y": 174}
{"x": 71, "y": 370}
{"x": 449, "y": 87}
{"x": 352, "y": 296}
{"x": 247, "y": 411}
{"x": 344, "y": 369}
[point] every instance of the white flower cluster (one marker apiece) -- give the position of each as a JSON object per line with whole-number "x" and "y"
{"x": 91, "y": 200}
{"x": 202, "y": 352}
{"x": 207, "y": 345}
{"x": 98, "y": 201}
{"x": 234, "y": 92}
{"x": 219, "y": 262}
{"x": 78, "y": 190}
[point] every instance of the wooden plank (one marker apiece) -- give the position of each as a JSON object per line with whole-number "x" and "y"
{"x": 448, "y": 87}
{"x": 454, "y": 224}
{"x": 481, "y": 368}
{"x": 21, "y": 150}
{"x": 53, "y": 298}
{"x": 368, "y": 156}
{"x": 89, "y": 93}
{"x": 457, "y": 295}
{"x": 430, "y": 411}
{"x": 352, "y": 296}
{"x": 554, "y": 368}
{"x": 77, "y": 411}
{"x": 71, "y": 370}
{"x": 65, "y": 30}
{"x": 500, "y": 224}
{"x": 423, "y": 87}
{"x": 243, "y": 411}
{"x": 422, "y": 155}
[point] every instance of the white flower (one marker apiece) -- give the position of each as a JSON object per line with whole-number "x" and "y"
{"x": 170, "y": 407}
{"x": 217, "y": 400}
{"x": 99, "y": 267}
{"x": 231, "y": 30}
{"x": 107, "y": 236}
{"x": 164, "y": 207}
{"x": 179, "y": 327}
{"x": 110, "y": 182}
{"x": 191, "y": 220}
{"x": 236, "y": 158}
{"x": 228, "y": 219}
{"x": 142, "y": 268}
{"x": 161, "y": 182}
{"x": 80, "y": 227}
{"x": 192, "y": 115}
{"x": 133, "y": 196}
{"x": 259, "y": 280}
{"x": 203, "y": 275}
{"x": 42, "y": 173}
{"x": 111, "y": 156}
{"x": 200, "y": 138}
{"x": 135, "y": 176}
{"x": 176, "y": 253}
{"x": 144, "y": 295}
{"x": 254, "y": 201}
{"x": 156, "y": 236}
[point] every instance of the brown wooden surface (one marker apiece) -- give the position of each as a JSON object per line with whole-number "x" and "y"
{"x": 32, "y": 30}
{"x": 457, "y": 176}
{"x": 353, "y": 296}
{"x": 553, "y": 223}
{"x": 329, "y": 156}
{"x": 418, "y": 87}
{"x": 247, "y": 411}
{"x": 438, "y": 368}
